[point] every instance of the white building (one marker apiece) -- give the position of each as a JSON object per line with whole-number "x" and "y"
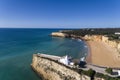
{"x": 64, "y": 60}
{"x": 118, "y": 72}
{"x": 82, "y": 59}
{"x": 117, "y": 33}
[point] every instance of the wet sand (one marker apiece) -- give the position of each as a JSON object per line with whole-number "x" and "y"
{"x": 102, "y": 54}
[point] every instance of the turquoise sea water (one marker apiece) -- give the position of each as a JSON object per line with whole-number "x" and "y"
{"x": 18, "y": 45}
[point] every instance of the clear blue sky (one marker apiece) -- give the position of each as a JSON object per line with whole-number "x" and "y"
{"x": 59, "y": 13}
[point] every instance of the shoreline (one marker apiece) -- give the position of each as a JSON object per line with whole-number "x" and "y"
{"x": 88, "y": 56}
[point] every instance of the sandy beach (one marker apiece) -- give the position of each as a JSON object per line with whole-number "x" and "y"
{"x": 102, "y": 54}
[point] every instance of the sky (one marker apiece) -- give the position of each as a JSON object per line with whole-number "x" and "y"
{"x": 59, "y": 13}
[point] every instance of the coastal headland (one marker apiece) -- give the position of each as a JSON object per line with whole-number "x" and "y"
{"x": 50, "y": 69}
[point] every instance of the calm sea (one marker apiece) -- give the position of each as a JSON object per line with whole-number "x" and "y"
{"x": 18, "y": 45}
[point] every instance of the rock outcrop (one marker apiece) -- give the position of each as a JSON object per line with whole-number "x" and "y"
{"x": 114, "y": 44}
{"x": 93, "y": 37}
{"x": 96, "y": 78}
{"x": 58, "y": 34}
{"x": 52, "y": 70}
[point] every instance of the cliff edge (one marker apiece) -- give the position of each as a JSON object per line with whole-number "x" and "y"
{"x": 51, "y": 70}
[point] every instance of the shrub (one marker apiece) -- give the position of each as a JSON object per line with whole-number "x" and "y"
{"x": 89, "y": 73}
{"x": 80, "y": 71}
{"x": 100, "y": 75}
{"x": 106, "y": 77}
{"x": 109, "y": 70}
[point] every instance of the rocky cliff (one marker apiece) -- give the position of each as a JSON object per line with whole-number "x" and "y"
{"x": 52, "y": 70}
{"x": 59, "y": 34}
{"x": 114, "y": 44}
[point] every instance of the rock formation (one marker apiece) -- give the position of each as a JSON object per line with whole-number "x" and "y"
{"x": 114, "y": 44}
{"x": 52, "y": 70}
{"x": 59, "y": 34}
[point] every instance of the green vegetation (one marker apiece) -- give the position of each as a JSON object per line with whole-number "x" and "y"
{"x": 100, "y": 75}
{"x": 109, "y": 70}
{"x": 89, "y": 73}
{"x": 106, "y": 77}
{"x": 113, "y": 37}
{"x": 92, "y": 31}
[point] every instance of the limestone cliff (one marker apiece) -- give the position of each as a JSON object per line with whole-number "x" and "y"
{"x": 52, "y": 70}
{"x": 114, "y": 44}
{"x": 93, "y": 37}
{"x": 59, "y": 34}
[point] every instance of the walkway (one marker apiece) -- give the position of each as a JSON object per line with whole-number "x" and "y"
{"x": 49, "y": 56}
{"x": 101, "y": 70}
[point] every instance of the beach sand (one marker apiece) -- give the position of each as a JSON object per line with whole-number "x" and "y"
{"x": 102, "y": 54}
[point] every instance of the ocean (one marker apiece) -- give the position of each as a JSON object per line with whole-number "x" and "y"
{"x": 18, "y": 45}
